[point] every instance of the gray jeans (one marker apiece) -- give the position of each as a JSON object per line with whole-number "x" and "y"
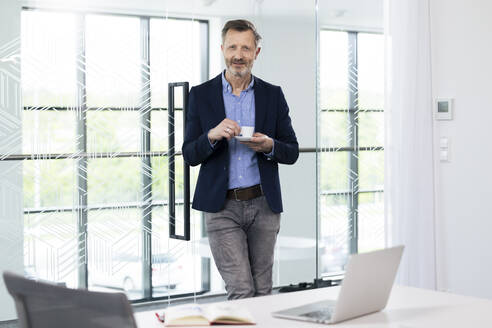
{"x": 242, "y": 238}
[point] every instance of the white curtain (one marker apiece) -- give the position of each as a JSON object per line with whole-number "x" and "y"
{"x": 409, "y": 170}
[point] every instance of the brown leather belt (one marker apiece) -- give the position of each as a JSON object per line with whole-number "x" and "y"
{"x": 245, "y": 193}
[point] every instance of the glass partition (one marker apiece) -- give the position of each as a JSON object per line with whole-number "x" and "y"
{"x": 96, "y": 153}
{"x": 96, "y": 120}
{"x": 351, "y": 130}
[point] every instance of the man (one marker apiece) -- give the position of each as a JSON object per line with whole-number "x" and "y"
{"x": 238, "y": 186}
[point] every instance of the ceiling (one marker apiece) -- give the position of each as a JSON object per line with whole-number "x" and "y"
{"x": 367, "y": 13}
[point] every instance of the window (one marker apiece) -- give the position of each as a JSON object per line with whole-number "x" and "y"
{"x": 351, "y": 159}
{"x": 95, "y": 150}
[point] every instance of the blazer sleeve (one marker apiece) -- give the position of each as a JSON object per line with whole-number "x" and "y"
{"x": 196, "y": 146}
{"x": 286, "y": 148}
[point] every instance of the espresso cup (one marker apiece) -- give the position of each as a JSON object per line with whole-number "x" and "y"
{"x": 247, "y": 131}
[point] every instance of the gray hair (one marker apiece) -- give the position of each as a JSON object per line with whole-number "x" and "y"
{"x": 241, "y": 25}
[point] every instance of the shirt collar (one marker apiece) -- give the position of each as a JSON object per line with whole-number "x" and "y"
{"x": 226, "y": 86}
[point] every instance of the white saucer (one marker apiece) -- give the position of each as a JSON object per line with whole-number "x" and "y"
{"x": 240, "y": 138}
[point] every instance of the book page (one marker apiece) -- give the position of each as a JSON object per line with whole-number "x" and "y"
{"x": 228, "y": 313}
{"x": 186, "y": 314}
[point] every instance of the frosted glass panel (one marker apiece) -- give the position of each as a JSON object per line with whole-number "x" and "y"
{"x": 113, "y": 61}
{"x": 48, "y": 49}
{"x": 371, "y": 70}
{"x": 175, "y": 57}
{"x": 333, "y": 70}
{"x": 351, "y": 130}
{"x": 95, "y": 198}
{"x": 86, "y": 132}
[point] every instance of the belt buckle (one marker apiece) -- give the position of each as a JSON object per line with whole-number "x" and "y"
{"x": 235, "y": 193}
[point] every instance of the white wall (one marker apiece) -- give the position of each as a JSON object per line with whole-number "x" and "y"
{"x": 292, "y": 65}
{"x": 462, "y": 66}
{"x": 11, "y": 235}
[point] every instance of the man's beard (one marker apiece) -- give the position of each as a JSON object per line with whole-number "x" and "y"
{"x": 243, "y": 73}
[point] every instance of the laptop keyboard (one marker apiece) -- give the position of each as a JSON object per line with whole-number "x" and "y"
{"x": 322, "y": 315}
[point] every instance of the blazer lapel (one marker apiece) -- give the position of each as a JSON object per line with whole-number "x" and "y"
{"x": 260, "y": 105}
{"x": 217, "y": 99}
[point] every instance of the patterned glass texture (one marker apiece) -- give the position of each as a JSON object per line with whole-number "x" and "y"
{"x": 95, "y": 199}
{"x": 351, "y": 139}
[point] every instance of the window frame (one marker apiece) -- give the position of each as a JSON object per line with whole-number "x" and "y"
{"x": 353, "y": 149}
{"x": 81, "y": 156}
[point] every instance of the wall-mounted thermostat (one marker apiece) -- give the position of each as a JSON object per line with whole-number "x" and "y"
{"x": 443, "y": 109}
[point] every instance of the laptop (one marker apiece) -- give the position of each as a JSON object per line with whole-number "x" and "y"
{"x": 365, "y": 289}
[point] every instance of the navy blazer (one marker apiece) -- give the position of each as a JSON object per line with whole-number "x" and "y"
{"x": 205, "y": 111}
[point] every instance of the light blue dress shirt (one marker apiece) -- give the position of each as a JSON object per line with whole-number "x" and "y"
{"x": 243, "y": 162}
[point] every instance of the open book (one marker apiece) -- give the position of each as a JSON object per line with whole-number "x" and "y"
{"x": 205, "y": 315}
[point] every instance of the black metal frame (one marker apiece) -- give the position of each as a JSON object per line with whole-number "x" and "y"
{"x": 112, "y": 109}
{"x": 34, "y": 157}
{"x": 171, "y": 166}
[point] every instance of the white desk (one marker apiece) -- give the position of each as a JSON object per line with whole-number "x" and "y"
{"x": 407, "y": 308}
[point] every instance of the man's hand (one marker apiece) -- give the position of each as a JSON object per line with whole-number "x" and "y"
{"x": 260, "y": 143}
{"x": 226, "y": 129}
